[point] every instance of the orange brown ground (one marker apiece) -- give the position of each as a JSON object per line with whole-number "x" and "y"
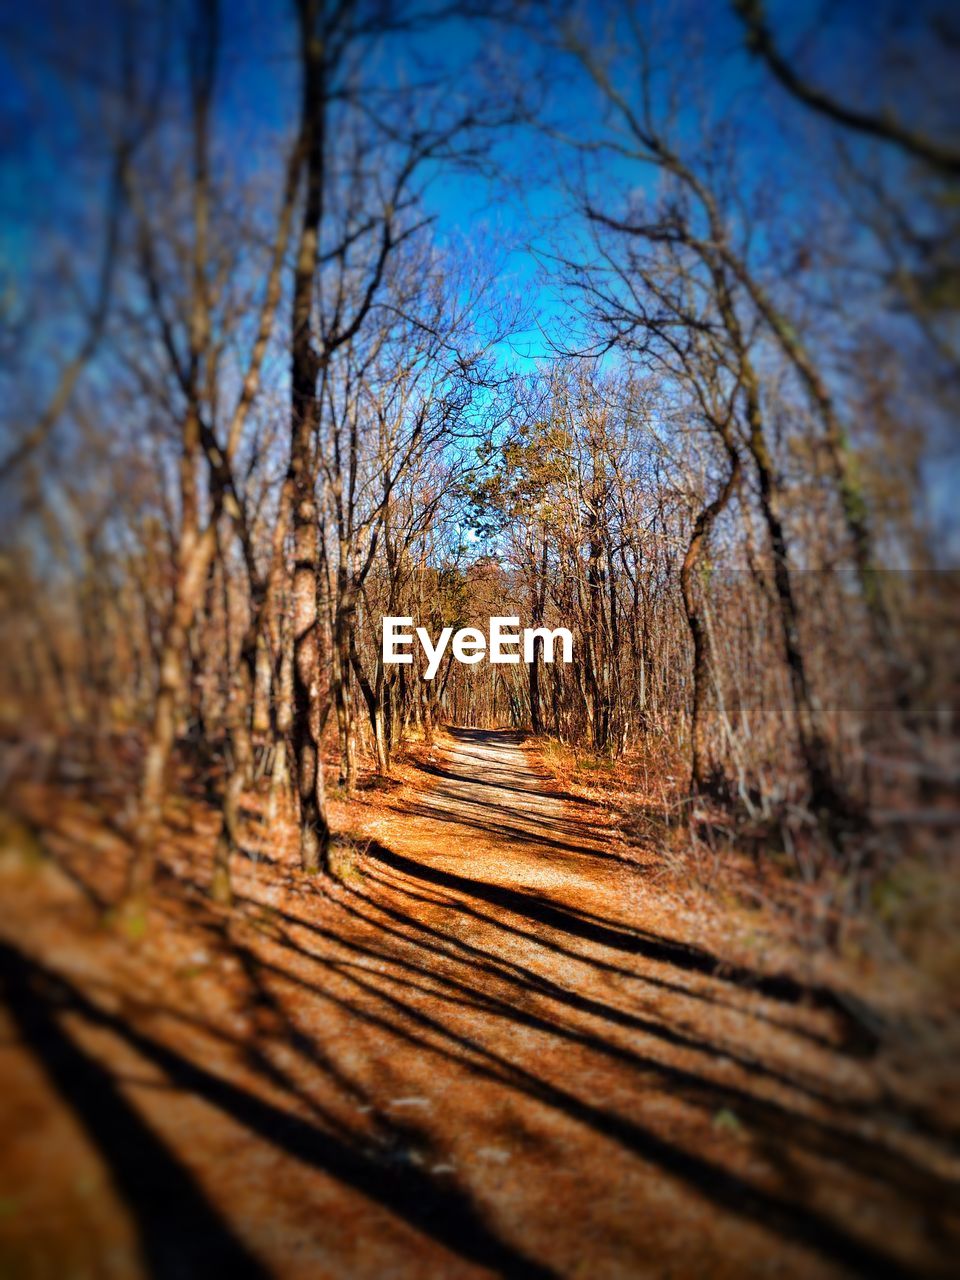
{"x": 490, "y": 1046}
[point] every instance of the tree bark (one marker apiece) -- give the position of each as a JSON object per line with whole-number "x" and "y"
{"x": 699, "y": 758}
{"x": 304, "y": 421}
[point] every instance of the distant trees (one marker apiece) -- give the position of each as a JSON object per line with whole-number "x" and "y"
{"x": 576, "y": 498}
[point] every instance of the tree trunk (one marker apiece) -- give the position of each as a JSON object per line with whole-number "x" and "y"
{"x": 699, "y": 757}
{"x": 189, "y": 588}
{"x": 539, "y": 600}
{"x": 304, "y": 418}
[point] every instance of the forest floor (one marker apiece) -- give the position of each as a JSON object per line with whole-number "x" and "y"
{"x": 490, "y": 1045}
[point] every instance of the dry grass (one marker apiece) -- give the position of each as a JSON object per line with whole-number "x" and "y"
{"x": 895, "y": 924}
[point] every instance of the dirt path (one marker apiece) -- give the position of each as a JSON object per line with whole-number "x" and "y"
{"x": 490, "y": 1049}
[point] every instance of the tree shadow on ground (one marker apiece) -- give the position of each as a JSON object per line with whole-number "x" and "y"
{"x": 582, "y": 924}
{"x": 389, "y": 1003}
{"x": 498, "y": 821}
{"x": 378, "y": 1005}
{"x": 178, "y": 1229}
{"x": 521, "y": 778}
{"x": 383, "y": 954}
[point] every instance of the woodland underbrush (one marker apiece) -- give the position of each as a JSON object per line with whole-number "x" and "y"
{"x": 883, "y": 898}
{"x": 880, "y": 927}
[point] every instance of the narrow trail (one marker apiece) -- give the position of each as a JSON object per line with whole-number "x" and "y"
{"x": 490, "y": 1049}
{"x": 501, "y": 823}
